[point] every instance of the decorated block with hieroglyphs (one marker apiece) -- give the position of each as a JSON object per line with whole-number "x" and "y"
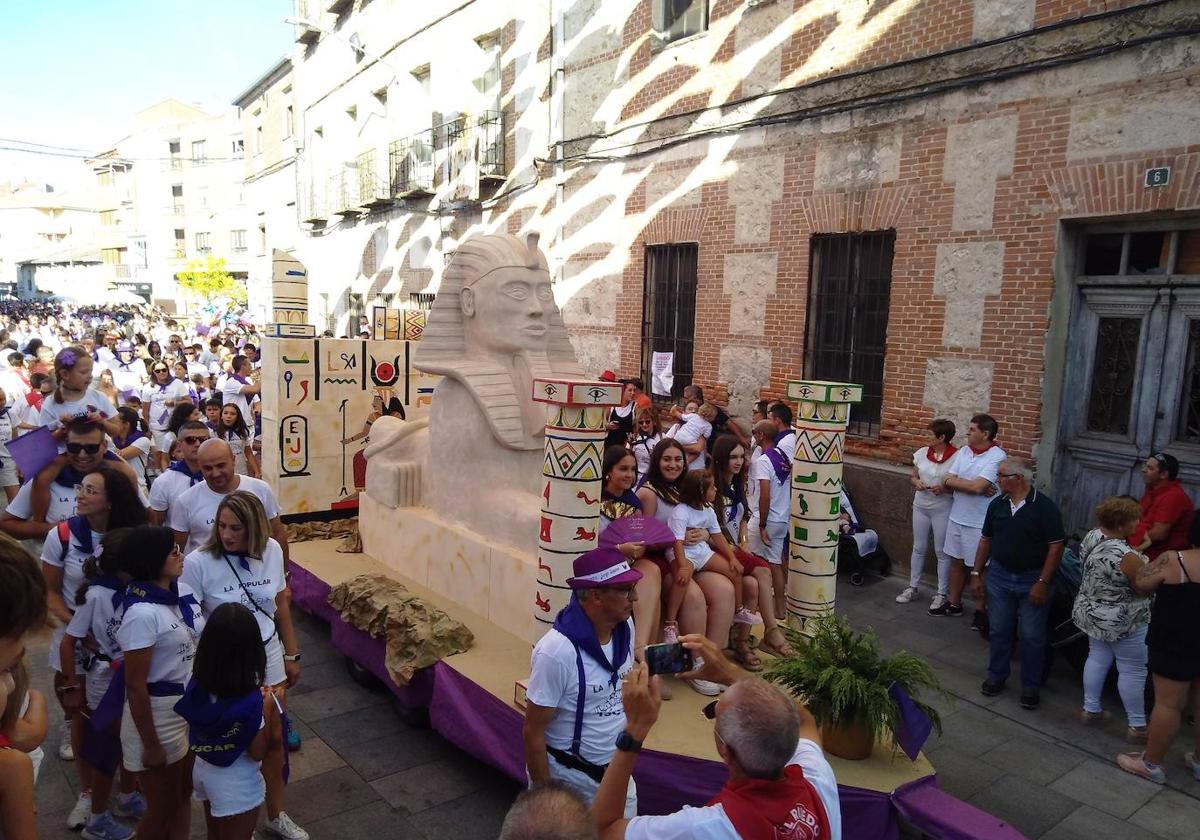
{"x": 320, "y": 397}
{"x": 572, "y": 466}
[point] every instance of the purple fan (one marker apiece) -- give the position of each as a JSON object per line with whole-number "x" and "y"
{"x": 637, "y": 528}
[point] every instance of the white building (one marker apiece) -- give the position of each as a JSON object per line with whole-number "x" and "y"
{"x": 268, "y": 123}
{"x": 172, "y": 194}
{"x": 408, "y": 141}
{"x": 37, "y": 223}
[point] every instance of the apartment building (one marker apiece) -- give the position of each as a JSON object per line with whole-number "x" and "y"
{"x": 42, "y": 227}
{"x": 268, "y": 121}
{"x": 963, "y": 205}
{"x": 406, "y": 141}
{"x": 171, "y": 193}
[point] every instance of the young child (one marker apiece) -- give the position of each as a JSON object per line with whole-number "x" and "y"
{"x": 212, "y": 414}
{"x": 695, "y": 510}
{"x": 23, "y": 722}
{"x": 233, "y": 720}
{"x": 180, "y": 414}
{"x": 694, "y": 425}
{"x": 9, "y": 479}
{"x": 233, "y": 431}
{"x": 97, "y": 617}
{"x": 75, "y": 397}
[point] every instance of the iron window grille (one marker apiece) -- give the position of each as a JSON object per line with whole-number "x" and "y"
{"x": 845, "y": 339}
{"x": 669, "y": 311}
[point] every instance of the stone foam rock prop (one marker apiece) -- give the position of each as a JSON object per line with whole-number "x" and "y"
{"x": 416, "y": 633}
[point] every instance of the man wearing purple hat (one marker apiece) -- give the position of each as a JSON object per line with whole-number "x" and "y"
{"x": 574, "y": 716}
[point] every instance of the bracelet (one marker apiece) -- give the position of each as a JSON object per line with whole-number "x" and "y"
{"x": 63, "y": 689}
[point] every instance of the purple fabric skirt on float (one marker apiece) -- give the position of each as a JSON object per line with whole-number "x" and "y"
{"x": 486, "y": 727}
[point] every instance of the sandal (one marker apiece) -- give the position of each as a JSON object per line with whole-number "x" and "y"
{"x": 745, "y": 656}
{"x": 782, "y": 650}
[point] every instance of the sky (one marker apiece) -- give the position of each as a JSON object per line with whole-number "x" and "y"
{"x": 76, "y": 71}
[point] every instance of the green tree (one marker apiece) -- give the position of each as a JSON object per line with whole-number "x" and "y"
{"x": 208, "y": 279}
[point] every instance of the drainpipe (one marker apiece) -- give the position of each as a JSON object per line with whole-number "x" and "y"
{"x": 557, "y": 121}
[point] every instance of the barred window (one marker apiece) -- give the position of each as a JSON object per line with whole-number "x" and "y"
{"x": 669, "y": 312}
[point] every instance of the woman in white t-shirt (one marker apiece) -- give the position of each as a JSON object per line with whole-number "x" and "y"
{"x": 931, "y": 510}
{"x": 646, "y": 435}
{"x": 159, "y": 397}
{"x": 133, "y": 444}
{"x": 158, "y": 634}
{"x": 241, "y": 563}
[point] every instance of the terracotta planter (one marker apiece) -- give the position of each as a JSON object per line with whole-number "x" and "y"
{"x": 853, "y": 741}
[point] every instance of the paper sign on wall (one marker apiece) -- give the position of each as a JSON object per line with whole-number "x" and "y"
{"x": 662, "y": 376}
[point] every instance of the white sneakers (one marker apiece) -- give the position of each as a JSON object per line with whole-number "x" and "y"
{"x": 285, "y": 828}
{"x": 937, "y": 603}
{"x": 907, "y": 596}
{"x": 83, "y": 809}
{"x": 705, "y": 687}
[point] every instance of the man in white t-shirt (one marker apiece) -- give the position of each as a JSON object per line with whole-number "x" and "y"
{"x": 182, "y": 475}
{"x": 571, "y": 729}
{"x": 193, "y": 514}
{"x": 239, "y": 390}
{"x": 780, "y": 784}
{"x": 770, "y": 503}
{"x": 780, "y": 415}
{"x": 971, "y": 474}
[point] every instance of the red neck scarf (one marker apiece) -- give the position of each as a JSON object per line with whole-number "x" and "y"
{"x": 785, "y": 809}
{"x": 946, "y": 453}
{"x": 981, "y": 451}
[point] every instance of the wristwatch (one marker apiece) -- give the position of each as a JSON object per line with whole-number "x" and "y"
{"x": 627, "y": 743}
{"x": 291, "y": 657}
{"x": 974, "y": 573}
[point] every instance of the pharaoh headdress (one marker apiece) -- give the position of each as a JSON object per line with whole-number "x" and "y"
{"x": 443, "y": 350}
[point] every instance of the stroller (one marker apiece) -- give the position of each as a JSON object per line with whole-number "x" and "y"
{"x": 859, "y": 546}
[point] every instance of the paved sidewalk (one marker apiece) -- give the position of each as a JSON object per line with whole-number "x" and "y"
{"x": 363, "y": 774}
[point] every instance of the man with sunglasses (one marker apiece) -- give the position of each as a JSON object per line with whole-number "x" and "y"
{"x": 573, "y": 713}
{"x": 183, "y": 473}
{"x": 86, "y": 450}
{"x": 1023, "y": 537}
{"x": 780, "y": 784}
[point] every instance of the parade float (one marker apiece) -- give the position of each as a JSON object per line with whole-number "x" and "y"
{"x": 481, "y": 492}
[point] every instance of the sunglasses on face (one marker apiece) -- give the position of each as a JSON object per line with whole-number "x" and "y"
{"x": 160, "y": 370}
{"x": 194, "y": 440}
{"x": 89, "y": 448}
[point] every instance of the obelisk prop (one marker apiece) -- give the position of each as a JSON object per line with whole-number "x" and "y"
{"x": 576, "y": 414}
{"x": 822, "y": 411}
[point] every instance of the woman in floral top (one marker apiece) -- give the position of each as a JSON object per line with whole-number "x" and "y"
{"x": 1114, "y": 613}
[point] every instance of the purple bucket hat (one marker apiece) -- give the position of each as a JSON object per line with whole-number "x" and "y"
{"x": 602, "y": 567}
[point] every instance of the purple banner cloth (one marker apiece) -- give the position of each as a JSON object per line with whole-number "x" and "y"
{"x": 486, "y": 727}
{"x": 32, "y": 451}
{"x": 915, "y": 725}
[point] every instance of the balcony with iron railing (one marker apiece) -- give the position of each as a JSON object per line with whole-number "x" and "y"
{"x": 410, "y": 162}
{"x": 343, "y": 188}
{"x": 374, "y": 189}
{"x": 307, "y": 10}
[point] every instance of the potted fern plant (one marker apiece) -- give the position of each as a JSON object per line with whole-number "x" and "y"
{"x": 842, "y": 679}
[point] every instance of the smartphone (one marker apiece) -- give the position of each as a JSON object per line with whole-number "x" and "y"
{"x": 668, "y": 658}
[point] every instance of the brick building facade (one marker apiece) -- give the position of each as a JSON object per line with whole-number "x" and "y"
{"x": 943, "y": 199}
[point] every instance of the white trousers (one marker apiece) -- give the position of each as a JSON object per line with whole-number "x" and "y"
{"x": 924, "y": 521}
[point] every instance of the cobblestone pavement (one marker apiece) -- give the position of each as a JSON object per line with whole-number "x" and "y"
{"x": 363, "y": 773}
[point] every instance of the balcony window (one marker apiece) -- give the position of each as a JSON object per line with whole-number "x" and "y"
{"x": 203, "y": 243}
{"x": 237, "y": 241}
{"x": 676, "y": 19}
{"x": 199, "y": 151}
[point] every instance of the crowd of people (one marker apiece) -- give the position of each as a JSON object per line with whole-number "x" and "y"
{"x": 1138, "y": 599}
{"x": 162, "y": 559}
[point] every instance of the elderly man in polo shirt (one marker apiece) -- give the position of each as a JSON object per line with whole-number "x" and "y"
{"x": 1023, "y": 535}
{"x": 1167, "y": 509}
{"x": 574, "y": 717}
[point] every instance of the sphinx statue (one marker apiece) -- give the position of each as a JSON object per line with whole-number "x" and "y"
{"x": 476, "y": 459}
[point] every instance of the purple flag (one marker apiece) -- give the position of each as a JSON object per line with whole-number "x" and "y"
{"x": 915, "y": 725}
{"x": 33, "y": 450}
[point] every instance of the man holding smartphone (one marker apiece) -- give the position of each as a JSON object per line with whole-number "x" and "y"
{"x": 574, "y": 715}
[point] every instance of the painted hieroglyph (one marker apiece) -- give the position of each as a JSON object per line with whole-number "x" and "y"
{"x": 320, "y": 397}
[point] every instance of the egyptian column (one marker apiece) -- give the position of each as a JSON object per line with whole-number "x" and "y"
{"x": 822, "y": 410}
{"x": 576, "y": 412}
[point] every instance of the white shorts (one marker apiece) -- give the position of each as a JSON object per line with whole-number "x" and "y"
{"x": 8, "y": 473}
{"x": 587, "y": 787}
{"x": 962, "y": 541}
{"x": 230, "y": 790}
{"x": 777, "y": 532}
{"x": 171, "y": 728}
{"x": 55, "y": 642}
{"x": 275, "y": 674}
